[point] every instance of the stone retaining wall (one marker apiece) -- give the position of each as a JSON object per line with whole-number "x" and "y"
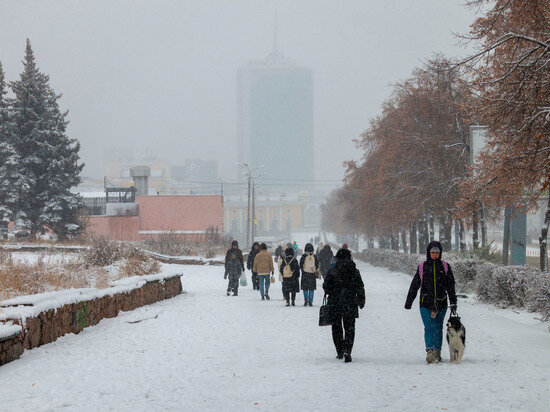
{"x": 48, "y": 325}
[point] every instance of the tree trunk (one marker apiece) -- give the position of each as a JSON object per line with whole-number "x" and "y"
{"x": 423, "y": 234}
{"x": 461, "y": 237}
{"x": 483, "y": 223}
{"x": 457, "y": 234}
{"x": 404, "y": 240}
{"x": 445, "y": 232}
{"x": 413, "y": 239}
{"x": 475, "y": 230}
{"x": 543, "y": 239}
{"x": 394, "y": 241}
{"x": 506, "y": 236}
{"x": 432, "y": 229}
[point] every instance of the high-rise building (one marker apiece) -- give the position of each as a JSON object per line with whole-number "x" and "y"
{"x": 275, "y": 117}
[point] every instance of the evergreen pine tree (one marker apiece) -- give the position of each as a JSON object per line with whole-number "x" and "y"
{"x": 12, "y": 182}
{"x": 49, "y": 158}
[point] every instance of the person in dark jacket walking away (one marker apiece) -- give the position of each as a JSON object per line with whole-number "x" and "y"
{"x": 263, "y": 266}
{"x": 325, "y": 259}
{"x": 250, "y": 264}
{"x": 291, "y": 276}
{"x": 435, "y": 280}
{"x": 234, "y": 267}
{"x": 310, "y": 270}
{"x": 346, "y": 292}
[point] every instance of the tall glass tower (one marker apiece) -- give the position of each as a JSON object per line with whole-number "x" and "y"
{"x": 275, "y": 117}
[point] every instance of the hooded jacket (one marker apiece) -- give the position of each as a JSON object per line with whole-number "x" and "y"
{"x": 251, "y": 255}
{"x": 325, "y": 257}
{"x": 309, "y": 279}
{"x": 344, "y": 287}
{"x": 234, "y": 262}
{"x": 435, "y": 286}
{"x": 292, "y": 284}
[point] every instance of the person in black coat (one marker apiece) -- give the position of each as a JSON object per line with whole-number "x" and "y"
{"x": 234, "y": 267}
{"x": 291, "y": 285}
{"x": 309, "y": 264}
{"x": 346, "y": 292}
{"x": 436, "y": 282}
{"x": 250, "y": 264}
{"x": 325, "y": 259}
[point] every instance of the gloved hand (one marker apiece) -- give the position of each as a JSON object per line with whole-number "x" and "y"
{"x": 362, "y": 304}
{"x": 453, "y": 309}
{"x": 225, "y": 275}
{"x": 408, "y": 305}
{"x": 272, "y": 273}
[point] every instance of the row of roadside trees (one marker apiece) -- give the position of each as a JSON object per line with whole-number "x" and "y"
{"x": 39, "y": 162}
{"x": 416, "y": 170}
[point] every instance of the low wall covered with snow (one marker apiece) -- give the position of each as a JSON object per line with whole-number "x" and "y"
{"x": 30, "y": 321}
{"x": 504, "y": 286}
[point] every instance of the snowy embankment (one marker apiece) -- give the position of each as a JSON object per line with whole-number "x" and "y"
{"x": 203, "y": 350}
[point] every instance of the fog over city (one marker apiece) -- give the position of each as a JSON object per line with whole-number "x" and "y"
{"x": 277, "y": 205}
{"x": 160, "y": 77}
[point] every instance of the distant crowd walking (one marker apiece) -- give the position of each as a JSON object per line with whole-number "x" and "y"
{"x": 343, "y": 287}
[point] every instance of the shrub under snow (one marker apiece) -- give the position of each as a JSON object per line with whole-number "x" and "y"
{"x": 503, "y": 286}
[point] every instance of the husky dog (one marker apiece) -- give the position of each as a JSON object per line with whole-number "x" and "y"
{"x": 456, "y": 338}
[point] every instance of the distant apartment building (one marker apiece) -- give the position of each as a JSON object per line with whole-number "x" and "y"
{"x": 127, "y": 213}
{"x": 166, "y": 179}
{"x": 275, "y": 215}
{"x": 275, "y": 117}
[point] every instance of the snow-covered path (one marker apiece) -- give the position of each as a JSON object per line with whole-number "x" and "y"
{"x": 203, "y": 350}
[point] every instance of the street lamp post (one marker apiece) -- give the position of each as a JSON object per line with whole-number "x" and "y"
{"x": 250, "y": 174}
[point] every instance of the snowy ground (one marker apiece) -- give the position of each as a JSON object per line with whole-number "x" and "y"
{"x": 203, "y": 350}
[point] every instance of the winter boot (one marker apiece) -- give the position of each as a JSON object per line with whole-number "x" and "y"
{"x": 267, "y": 296}
{"x": 430, "y": 356}
{"x": 339, "y": 356}
{"x": 437, "y": 356}
{"x": 347, "y": 358}
{"x": 305, "y": 303}
{"x": 293, "y": 302}
{"x": 228, "y": 293}
{"x": 263, "y": 298}
{"x": 235, "y": 293}
{"x": 310, "y": 304}
{"x": 287, "y": 303}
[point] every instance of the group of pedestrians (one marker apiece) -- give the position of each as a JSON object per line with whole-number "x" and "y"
{"x": 294, "y": 272}
{"x": 344, "y": 287}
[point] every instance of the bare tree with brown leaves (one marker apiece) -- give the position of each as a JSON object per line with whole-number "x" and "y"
{"x": 511, "y": 76}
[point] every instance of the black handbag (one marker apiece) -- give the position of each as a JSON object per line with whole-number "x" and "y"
{"x": 325, "y": 314}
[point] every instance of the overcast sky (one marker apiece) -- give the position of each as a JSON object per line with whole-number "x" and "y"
{"x": 161, "y": 75}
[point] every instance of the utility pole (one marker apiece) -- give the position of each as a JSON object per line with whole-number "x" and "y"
{"x": 248, "y": 172}
{"x": 248, "y": 216}
{"x": 253, "y": 210}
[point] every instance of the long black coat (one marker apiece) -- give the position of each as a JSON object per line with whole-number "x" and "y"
{"x": 325, "y": 257}
{"x": 234, "y": 264}
{"x": 345, "y": 289}
{"x": 251, "y": 255}
{"x": 292, "y": 284}
{"x": 434, "y": 288}
{"x": 309, "y": 280}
